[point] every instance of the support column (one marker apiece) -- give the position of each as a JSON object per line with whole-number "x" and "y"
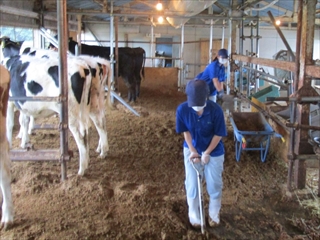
{"x": 232, "y": 47}
{"x": 63, "y": 83}
{"x": 304, "y": 89}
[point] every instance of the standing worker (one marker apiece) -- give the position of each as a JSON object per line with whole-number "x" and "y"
{"x": 203, "y": 126}
{"x": 214, "y": 75}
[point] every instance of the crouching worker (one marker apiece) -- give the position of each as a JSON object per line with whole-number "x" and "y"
{"x": 202, "y": 123}
{"x": 214, "y": 75}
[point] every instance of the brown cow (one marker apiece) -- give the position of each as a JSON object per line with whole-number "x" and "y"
{"x": 5, "y": 174}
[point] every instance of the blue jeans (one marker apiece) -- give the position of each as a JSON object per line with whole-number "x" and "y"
{"x": 213, "y": 177}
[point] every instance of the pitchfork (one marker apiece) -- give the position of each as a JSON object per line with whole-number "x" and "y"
{"x": 199, "y": 168}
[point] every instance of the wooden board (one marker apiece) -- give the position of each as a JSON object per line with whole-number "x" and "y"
{"x": 204, "y": 50}
{"x": 162, "y": 79}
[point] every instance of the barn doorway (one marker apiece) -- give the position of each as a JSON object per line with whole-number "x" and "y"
{"x": 164, "y": 49}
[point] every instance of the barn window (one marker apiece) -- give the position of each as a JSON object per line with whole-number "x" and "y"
{"x": 16, "y": 33}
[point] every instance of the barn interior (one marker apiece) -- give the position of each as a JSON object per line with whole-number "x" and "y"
{"x": 273, "y": 70}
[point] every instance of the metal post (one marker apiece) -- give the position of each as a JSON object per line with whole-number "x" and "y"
{"x": 257, "y": 54}
{"x": 251, "y": 64}
{"x": 232, "y": 49}
{"x": 79, "y": 19}
{"x": 181, "y": 58}
{"x": 152, "y": 53}
{"x": 210, "y": 42}
{"x": 241, "y": 52}
{"x": 116, "y": 53}
{"x": 63, "y": 78}
{"x": 222, "y": 38}
{"x": 111, "y": 49}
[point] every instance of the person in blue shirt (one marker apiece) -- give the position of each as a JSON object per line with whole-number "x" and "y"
{"x": 214, "y": 75}
{"x": 203, "y": 125}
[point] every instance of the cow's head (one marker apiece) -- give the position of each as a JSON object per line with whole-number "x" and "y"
{"x": 9, "y": 48}
{"x": 72, "y": 45}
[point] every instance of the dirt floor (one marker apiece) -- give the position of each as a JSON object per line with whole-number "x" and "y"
{"x": 137, "y": 192}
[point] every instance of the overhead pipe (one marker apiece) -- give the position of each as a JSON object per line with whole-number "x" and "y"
{"x": 262, "y": 8}
{"x": 94, "y": 36}
{"x": 282, "y": 36}
{"x": 278, "y": 80}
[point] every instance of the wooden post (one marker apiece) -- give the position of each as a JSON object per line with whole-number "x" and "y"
{"x": 304, "y": 89}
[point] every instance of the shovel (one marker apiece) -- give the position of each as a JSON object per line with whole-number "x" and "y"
{"x": 199, "y": 168}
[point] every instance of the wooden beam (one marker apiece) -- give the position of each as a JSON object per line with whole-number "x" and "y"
{"x": 311, "y": 70}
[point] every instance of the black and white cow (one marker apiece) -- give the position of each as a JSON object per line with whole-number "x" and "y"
{"x": 5, "y": 174}
{"x": 10, "y": 48}
{"x": 131, "y": 63}
{"x": 100, "y": 72}
{"x": 32, "y": 76}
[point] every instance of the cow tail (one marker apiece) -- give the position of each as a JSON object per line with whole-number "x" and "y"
{"x": 143, "y": 63}
{"x": 85, "y": 103}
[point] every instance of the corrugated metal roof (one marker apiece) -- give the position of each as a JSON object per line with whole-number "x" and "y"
{"x": 140, "y": 12}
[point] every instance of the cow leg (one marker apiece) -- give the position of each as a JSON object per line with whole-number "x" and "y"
{"x": 31, "y": 125}
{"x": 10, "y": 121}
{"x": 5, "y": 181}
{"x": 81, "y": 137}
{"x": 138, "y": 89}
{"x": 99, "y": 122}
{"x": 132, "y": 93}
{"x": 20, "y": 122}
{"x": 24, "y": 127}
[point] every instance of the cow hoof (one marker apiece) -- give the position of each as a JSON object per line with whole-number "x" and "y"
{"x": 6, "y": 225}
{"x": 27, "y": 146}
{"x": 18, "y": 136}
{"x": 103, "y": 155}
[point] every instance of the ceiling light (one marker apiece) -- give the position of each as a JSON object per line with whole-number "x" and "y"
{"x": 278, "y": 22}
{"x": 160, "y": 19}
{"x": 159, "y": 6}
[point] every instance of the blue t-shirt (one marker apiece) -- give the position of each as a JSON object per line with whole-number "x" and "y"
{"x": 202, "y": 128}
{"x": 212, "y": 70}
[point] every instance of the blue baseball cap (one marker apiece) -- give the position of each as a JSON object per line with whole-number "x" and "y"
{"x": 197, "y": 92}
{"x": 223, "y": 53}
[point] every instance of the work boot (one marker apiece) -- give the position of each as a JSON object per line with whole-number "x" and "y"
{"x": 213, "y": 223}
{"x": 196, "y": 226}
